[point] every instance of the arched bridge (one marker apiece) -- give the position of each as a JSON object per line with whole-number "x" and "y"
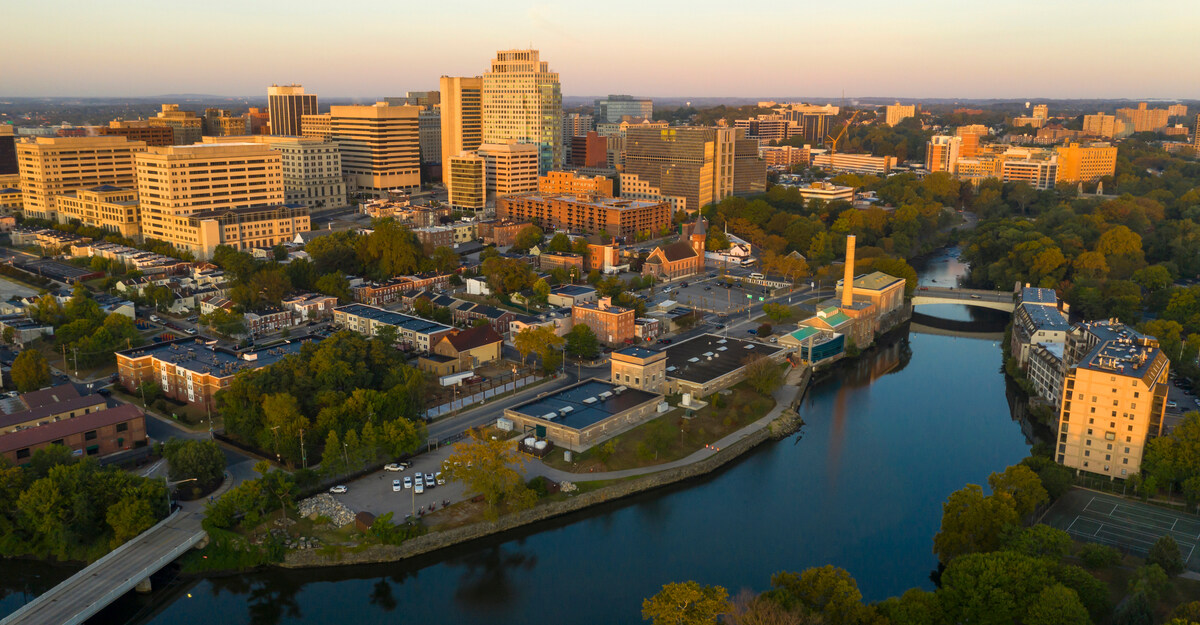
{"x": 996, "y": 300}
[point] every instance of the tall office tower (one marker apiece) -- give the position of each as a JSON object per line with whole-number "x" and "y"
{"x": 1142, "y": 119}
{"x": 178, "y": 181}
{"x": 381, "y": 146}
{"x": 140, "y": 130}
{"x": 315, "y": 126}
{"x": 1041, "y": 111}
{"x": 941, "y": 153}
{"x": 693, "y": 163}
{"x": 417, "y": 98}
{"x": 615, "y": 108}
{"x": 187, "y": 127}
{"x": 8, "y": 150}
{"x": 285, "y": 105}
{"x": 512, "y": 168}
{"x": 590, "y": 150}
{"x": 429, "y": 127}
{"x": 970, "y": 136}
{"x": 1114, "y": 398}
{"x": 574, "y": 125}
{"x": 897, "y": 113}
{"x": 468, "y": 171}
{"x": 51, "y": 166}
{"x": 312, "y": 169}
{"x": 522, "y": 101}
{"x": 258, "y": 121}
{"x": 462, "y": 117}
{"x": 1088, "y": 163}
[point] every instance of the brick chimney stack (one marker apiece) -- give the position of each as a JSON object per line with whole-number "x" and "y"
{"x": 848, "y": 279}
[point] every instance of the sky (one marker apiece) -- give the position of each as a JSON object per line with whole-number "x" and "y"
{"x": 766, "y": 48}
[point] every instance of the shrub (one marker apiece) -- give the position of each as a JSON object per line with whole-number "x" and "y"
{"x": 1097, "y": 556}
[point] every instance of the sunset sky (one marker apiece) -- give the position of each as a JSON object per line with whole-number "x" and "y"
{"x": 769, "y": 48}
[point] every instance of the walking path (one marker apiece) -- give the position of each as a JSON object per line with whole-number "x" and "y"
{"x": 784, "y": 396}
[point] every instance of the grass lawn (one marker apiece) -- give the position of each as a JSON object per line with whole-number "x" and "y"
{"x": 676, "y": 437}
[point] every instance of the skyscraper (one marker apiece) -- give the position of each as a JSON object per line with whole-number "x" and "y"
{"x": 522, "y": 101}
{"x": 8, "y": 150}
{"x": 941, "y": 153}
{"x": 380, "y": 146}
{"x": 615, "y": 108}
{"x": 285, "y": 104}
{"x": 462, "y": 118}
{"x": 700, "y": 165}
{"x": 51, "y": 166}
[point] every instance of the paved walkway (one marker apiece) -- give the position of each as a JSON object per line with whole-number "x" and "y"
{"x": 784, "y": 396}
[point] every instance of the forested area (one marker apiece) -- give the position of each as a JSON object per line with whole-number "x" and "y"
{"x": 88, "y": 335}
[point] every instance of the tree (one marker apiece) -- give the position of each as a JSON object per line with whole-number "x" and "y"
{"x": 528, "y": 237}
{"x": 992, "y": 588}
{"x": 490, "y": 468}
{"x": 530, "y": 339}
{"x": 225, "y": 322}
{"x": 559, "y": 243}
{"x": 445, "y": 260}
{"x": 764, "y": 330}
{"x": 1135, "y": 610}
{"x": 1023, "y": 485}
{"x": 659, "y": 436}
{"x": 777, "y": 312}
{"x": 201, "y": 460}
{"x": 283, "y": 422}
{"x": 332, "y": 461}
{"x": 1150, "y": 580}
{"x": 1040, "y": 541}
{"x": 128, "y": 517}
{"x": 30, "y": 371}
{"x": 541, "y": 290}
{"x": 582, "y": 342}
{"x": 688, "y": 603}
{"x": 1098, "y": 556}
{"x": 973, "y": 523}
{"x": 914, "y": 607}
{"x": 828, "y": 590}
{"x": 1057, "y": 605}
{"x": 1165, "y": 553}
{"x": 763, "y": 375}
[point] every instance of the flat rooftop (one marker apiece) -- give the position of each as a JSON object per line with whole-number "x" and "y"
{"x": 1046, "y": 317}
{"x": 710, "y": 356}
{"x": 412, "y": 324}
{"x": 573, "y": 290}
{"x": 1035, "y": 295}
{"x": 585, "y": 404}
{"x": 195, "y": 355}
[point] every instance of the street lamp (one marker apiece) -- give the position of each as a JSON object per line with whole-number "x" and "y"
{"x": 168, "y": 486}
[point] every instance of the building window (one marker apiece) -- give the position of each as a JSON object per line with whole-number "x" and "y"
{"x": 121, "y": 427}
{"x": 22, "y": 453}
{"x": 89, "y": 436}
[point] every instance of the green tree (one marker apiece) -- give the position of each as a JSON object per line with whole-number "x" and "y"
{"x": 688, "y": 603}
{"x": 914, "y": 607}
{"x": 1023, "y": 485}
{"x": 195, "y": 459}
{"x": 528, "y": 237}
{"x": 1098, "y": 556}
{"x": 283, "y": 422}
{"x": 30, "y": 371}
{"x": 763, "y": 375}
{"x": 48, "y": 457}
{"x": 490, "y": 468}
{"x": 973, "y": 523}
{"x": 128, "y": 517}
{"x": 659, "y": 436}
{"x": 1165, "y": 553}
{"x": 828, "y": 590}
{"x": 444, "y": 259}
{"x": 1137, "y": 609}
{"x": 1150, "y": 580}
{"x": 582, "y": 342}
{"x": 777, "y": 312}
{"x": 992, "y": 588}
{"x": 1040, "y": 541}
{"x": 1056, "y": 605}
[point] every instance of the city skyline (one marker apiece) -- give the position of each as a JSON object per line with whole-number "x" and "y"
{"x": 880, "y": 51}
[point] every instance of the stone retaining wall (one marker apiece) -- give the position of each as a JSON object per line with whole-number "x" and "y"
{"x": 440, "y": 540}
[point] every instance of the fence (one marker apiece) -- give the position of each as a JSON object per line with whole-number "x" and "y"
{"x": 479, "y": 396}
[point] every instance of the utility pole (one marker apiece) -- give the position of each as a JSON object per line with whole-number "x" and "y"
{"x": 303, "y": 456}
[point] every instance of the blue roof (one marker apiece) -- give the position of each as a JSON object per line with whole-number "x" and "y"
{"x": 1046, "y": 318}
{"x": 413, "y": 324}
{"x": 1035, "y": 295}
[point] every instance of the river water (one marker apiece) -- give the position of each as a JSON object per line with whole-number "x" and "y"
{"x": 860, "y": 486}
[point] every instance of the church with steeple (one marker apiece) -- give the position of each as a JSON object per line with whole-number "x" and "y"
{"x": 681, "y": 259}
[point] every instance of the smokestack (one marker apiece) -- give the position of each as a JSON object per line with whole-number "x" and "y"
{"x": 848, "y": 279}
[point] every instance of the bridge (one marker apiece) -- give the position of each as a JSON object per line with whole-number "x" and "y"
{"x": 87, "y": 592}
{"x": 996, "y": 300}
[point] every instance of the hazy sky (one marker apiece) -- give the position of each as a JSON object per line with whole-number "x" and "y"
{"x": 916, "y": 48}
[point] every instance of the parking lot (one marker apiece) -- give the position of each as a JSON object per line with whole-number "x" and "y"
{"x": 1127, "y": 525}
{"x": 374, "y": 493}
{"x": 710, "y": 295}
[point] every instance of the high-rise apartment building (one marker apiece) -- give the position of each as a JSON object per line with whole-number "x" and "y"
{"x": 140, "y": 130}
{"x": 576, "y": 125}
{"x": 8, "y": 151}
{"x": 258, "y": 121}
{"x": 468, "y": 176}
{"x": 1177, "y": 110}
{"x": 941, "y": 153}
{"x": 1143, "y": 119}
{"x": 697, "y": 164}
{"x": 897, "y": 113}
{"x": 51, "y": 166}
{"x": 1103, "y": 126}
{"x": 380, "y": 144}
{"x": 570, "y": 183}
{"x": 616, "y": 108}
{"x": 312, "y": 169}
{"x": 1041, "y": 111}
{"x": 286, "y": 104}
{"x": 462, "y": 117}
{"x": 1087, "y": 163}
{"x": 970, "y": 136}
{"x": 768, "y": 128}
{"x": 1114, "y": 398}
{"x": 512, "y": 168}
{"x": 424, "y": 99}
{"x": 429, "y": 131}
{"x": 589, "y": 151}
{"x": 522, "y": 101}
{"x": 176, "y": 181}
{"x": 187, "y": 127}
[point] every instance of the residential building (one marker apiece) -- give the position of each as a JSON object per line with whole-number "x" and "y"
{"x": 1041, "y": 111}
{"x": 52, "y": 166}
{"x": 186, "y": 126}
{"x": 1114, "y": 398}
{"x": 433, "y": 237}
{"x": 896, "y": 113}
{"x": 576, "y": 125}
{"x": 1037, "y": 169}
{"x": 49, "y": 405}
{"x": 246, "y": 228}
{"x": 1036, "y": 320}
{"x": 680, "y": 259}
{"x": 8, "y": 151}
{"x": 1177, "y": 110}
{"x": 786, "y": 155}
{"x": 941, "y": 153}
{"x": 317, "y": 126}
{"x": 1088, "y": 163}
{"x": 1032, "y": 122}
{"x": 139, "y": 130}
{"x": 471, "y": 347}
{"x": 467, "y": 181}
{"x": 268, "y": 321}
{"x": 825, "y": 191}
{"x": 176, "y": 181}
{"x": 570, "y": 261}
{"x": 500, "y": 233}
{"x": 429, "y": 132}
{"x": 380, "y": 146}
{"x": 571, "y": 183}
{"x": 633, "y": 187}
{"x": 467, "y": 313}
{"x": 616, "y": 108}
{"x": 413, "y": 332}
{"x": 589, "y": 150}
{"x": 612, "y": 324}
{"x": 461, "y": 118}
{"x": 512, "y": 168}
{"x": 1143, "y": 119}
{"x": 286, "y": 105}
{"x": 522, "y": 101}
{"x": 766, "y": 128}
{"x": 1196, "y": 133}
{"x": 377, "y": 293}
{"x": 312, "y": 169}
{"x": 310, "y": 306}
{"x": 698, "y": 164}
{"x": 617, "y": 217}
{"x": 855, "y": 163}
{"x": 96, "y": 434}
{"x": 1045, "y": 372}
{"x": 106, "y": 207}
{"x": 568, "y": 295}
{"x": 1103, "y": 126}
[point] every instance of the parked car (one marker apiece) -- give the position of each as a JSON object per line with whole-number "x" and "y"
{"x": 664, "y": 341}
{"x": 396, "y": 487}
{"x": 973, "y": 296}
{"x": 683, "y": 285}
{"x": 429, "y": 481}
{"x": 419, "y": 480}
{"x": 440, "y": 480}
{"x": 418, "y": 489}
{"x": 1172, "y": 404}
{"x": 190, "y": 330}
{"x": 752, "y": 331}
{"x": 708, "y": 288}
{"x": 339, "y": 489}
{"x": 407, "y": 482}
{"x": 395, "y": 466}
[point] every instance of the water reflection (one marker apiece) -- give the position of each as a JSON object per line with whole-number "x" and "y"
{"x": 487, "y": 583}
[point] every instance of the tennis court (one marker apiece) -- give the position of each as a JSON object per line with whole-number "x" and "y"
{"x": 1127, "y": 525}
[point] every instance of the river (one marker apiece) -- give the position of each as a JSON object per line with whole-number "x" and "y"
{"x": 887, "y": 439}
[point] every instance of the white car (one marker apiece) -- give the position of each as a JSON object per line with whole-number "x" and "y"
{"x": 338, "y": 490}
{"x": 396, "y": 487}
{"x": 418, "y": 489}
{"x": 429, "y": 481}
{"x": 420, "y": 481}
{"x": 408, "y": 482}
{"x": 190, "y": 330}
{"x": 440, "y": 480}
{"x": 395, "y": 466}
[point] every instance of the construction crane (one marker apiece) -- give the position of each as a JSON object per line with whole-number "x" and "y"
{"x": 833, "y": 141}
